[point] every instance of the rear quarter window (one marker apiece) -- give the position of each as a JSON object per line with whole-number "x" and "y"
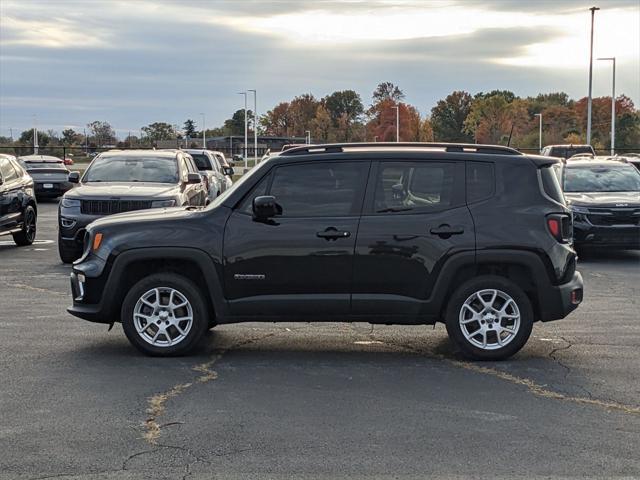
{"x": 480, "y": 181}
{"x": 550, "y": 183}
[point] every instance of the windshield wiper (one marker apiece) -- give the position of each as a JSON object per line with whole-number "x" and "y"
{"x": 391, "y": 209}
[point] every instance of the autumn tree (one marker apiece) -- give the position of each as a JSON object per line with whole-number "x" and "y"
{"x": 448, "y": 116}
{"x": 494, "y": 118}
{"x": 277, "y": 122}
{"x": 387, "y": 91}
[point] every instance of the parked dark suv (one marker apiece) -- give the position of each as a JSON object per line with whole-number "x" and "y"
{"x": 604, "y": 196}
{"x": 121, "y": 181}
{"x": 18, "y": 207}
{"x": 475, "y": 236}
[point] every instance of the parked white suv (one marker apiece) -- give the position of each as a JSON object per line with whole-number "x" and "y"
{"x": 211, "y": 164}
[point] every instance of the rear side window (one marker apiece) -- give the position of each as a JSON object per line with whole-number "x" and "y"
{"x": 550, "y": 183}
{"x": 480, "y": 181}
{"x": 414, "y": 187}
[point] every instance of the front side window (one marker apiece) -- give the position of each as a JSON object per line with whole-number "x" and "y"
{"x": 133, "y": 169}
{"x": 320, "y": 189}
{"x": 619, "y": 178}
{"x": 414, "y": 186}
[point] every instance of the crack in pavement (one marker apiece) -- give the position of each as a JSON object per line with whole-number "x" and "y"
{"x": 156, "y": 403}
{"x": 34, "y": 289}
{"x": 567, "y": 369}
{"x": 533, "y": 387}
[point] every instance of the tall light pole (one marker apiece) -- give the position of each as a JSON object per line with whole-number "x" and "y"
{"x": 539, "y": 115}
{"x": 255, "y": 126}
{"x": 307, "y": 137}
{"x": 397, "y": 107}
{"x": 246, "y": 131}
{"x": 613, "y": 104}
{"x": 35, "y": 135}
{"x": 204, "y": 135}
{"x": 593, "y": 11}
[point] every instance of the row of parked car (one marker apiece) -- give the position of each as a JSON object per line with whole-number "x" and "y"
{"x": 116, "y": 181}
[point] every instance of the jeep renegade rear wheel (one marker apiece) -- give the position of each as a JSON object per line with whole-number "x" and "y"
{"x": 489, "y": 318}
{"x": 164, "y": 315}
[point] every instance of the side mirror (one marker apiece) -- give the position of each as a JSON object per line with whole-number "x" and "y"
{"x": 74, "y": 177}
{"x": 193, "y": 178}
{"x": 228, "y": 171}
{"x": 265, "y": 207}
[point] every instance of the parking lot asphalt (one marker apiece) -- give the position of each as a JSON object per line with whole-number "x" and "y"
{"x": 314, "y": 400}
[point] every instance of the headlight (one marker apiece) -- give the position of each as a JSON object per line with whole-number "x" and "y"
{"x": 576, "y": 209}
{"x": 163, "y": 203}
{"x": 70, "y": 202}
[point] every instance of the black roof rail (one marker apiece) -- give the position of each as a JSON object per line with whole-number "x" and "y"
{"x": 448, "y": 147}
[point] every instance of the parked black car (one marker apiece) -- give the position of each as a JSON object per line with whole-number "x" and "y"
{"x": 122, "y": 181}
{"x": 18, "y": 208}
{"x": 567, "y": 151}
{"x": 50, "y": 175}
{"x": 475, "y": 236}
{"x": 604, "y": 196}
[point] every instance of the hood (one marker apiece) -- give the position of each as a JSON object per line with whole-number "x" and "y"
{"x": 107, "y": 190}
{"x": 151, "y": 215}
{"x": 603, "y": 199}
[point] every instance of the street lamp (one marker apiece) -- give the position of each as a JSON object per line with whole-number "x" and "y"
{"x": 593, "y": 11}
{"x": 255, "y": 126}
{"x": 35, "y": 135}
{"x": 204, "y": 135}
{"x": 245, "y": 130}
{"x": 397, "y": 107}
{"x": 307, "y": 137}
{"x": 540, "y": 134}
{"x": 613, "y": 104}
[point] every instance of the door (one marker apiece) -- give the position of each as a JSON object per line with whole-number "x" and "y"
{"x": 10, "y": 196}
{"x": 301, "y": 261}
{"x": 415, "y": 216}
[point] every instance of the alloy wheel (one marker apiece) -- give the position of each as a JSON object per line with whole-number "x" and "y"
{"x": 489, "y": 319}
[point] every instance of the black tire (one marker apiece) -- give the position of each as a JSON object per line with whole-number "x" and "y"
{"x": 464, "y": 292}
{"x": 68, "y": 254}
{"x": 27, "y": 235}
{"x": 184, "y": 287}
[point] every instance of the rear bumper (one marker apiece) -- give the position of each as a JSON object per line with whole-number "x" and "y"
{"x": 558, "y": 301}
{"x": 57, "y": 189}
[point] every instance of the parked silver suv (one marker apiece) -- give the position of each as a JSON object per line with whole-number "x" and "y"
{"x": 212, "y": 165}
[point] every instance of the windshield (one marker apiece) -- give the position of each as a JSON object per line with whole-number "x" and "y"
{"x": 568, "y": 152}
{"x": 601, "y": 179}
{"x": 202, "y": 161}
{"x": 133, "y": 169}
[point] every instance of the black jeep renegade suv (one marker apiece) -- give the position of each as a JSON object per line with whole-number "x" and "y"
{"x": 474, "y": 236}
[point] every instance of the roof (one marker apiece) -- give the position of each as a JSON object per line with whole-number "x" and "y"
{"x": 40, "y": 158}
{"x": 400, "y": 147}
{"x": 597, "y": 162}
{"x": 201, "y": 150}
{"x": 569, "y": 145}
{"x": 141, "y": 153}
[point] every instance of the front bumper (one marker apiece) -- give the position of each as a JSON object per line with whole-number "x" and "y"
{"x": 558, "y": 301}
{"x": 91, "y": 298}
{"x": 622, "y": 236}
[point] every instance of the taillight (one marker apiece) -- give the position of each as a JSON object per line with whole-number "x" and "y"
{"x": 560, "y": 227}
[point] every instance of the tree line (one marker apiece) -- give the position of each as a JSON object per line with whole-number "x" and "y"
{"x": 496, "y": 117}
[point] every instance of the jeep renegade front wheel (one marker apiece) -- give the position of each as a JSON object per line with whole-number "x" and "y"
{"x": 164, "y": 315}
{"x": 489, "y": 318}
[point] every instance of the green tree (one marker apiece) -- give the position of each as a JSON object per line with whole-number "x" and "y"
{"x": 190, "y": 128}
{"x": 235, "y": 124}
{"x": 102, "y": 132}
{"x": 70, "y": 136}
{"x": 387, "y": 91}
{"x": 345, "y": 108}
{"x": 159, "y": 131}
{"x": 448, "y": 116}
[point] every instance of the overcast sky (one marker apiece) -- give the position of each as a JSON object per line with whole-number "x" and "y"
{"x": 134, "y": 62}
